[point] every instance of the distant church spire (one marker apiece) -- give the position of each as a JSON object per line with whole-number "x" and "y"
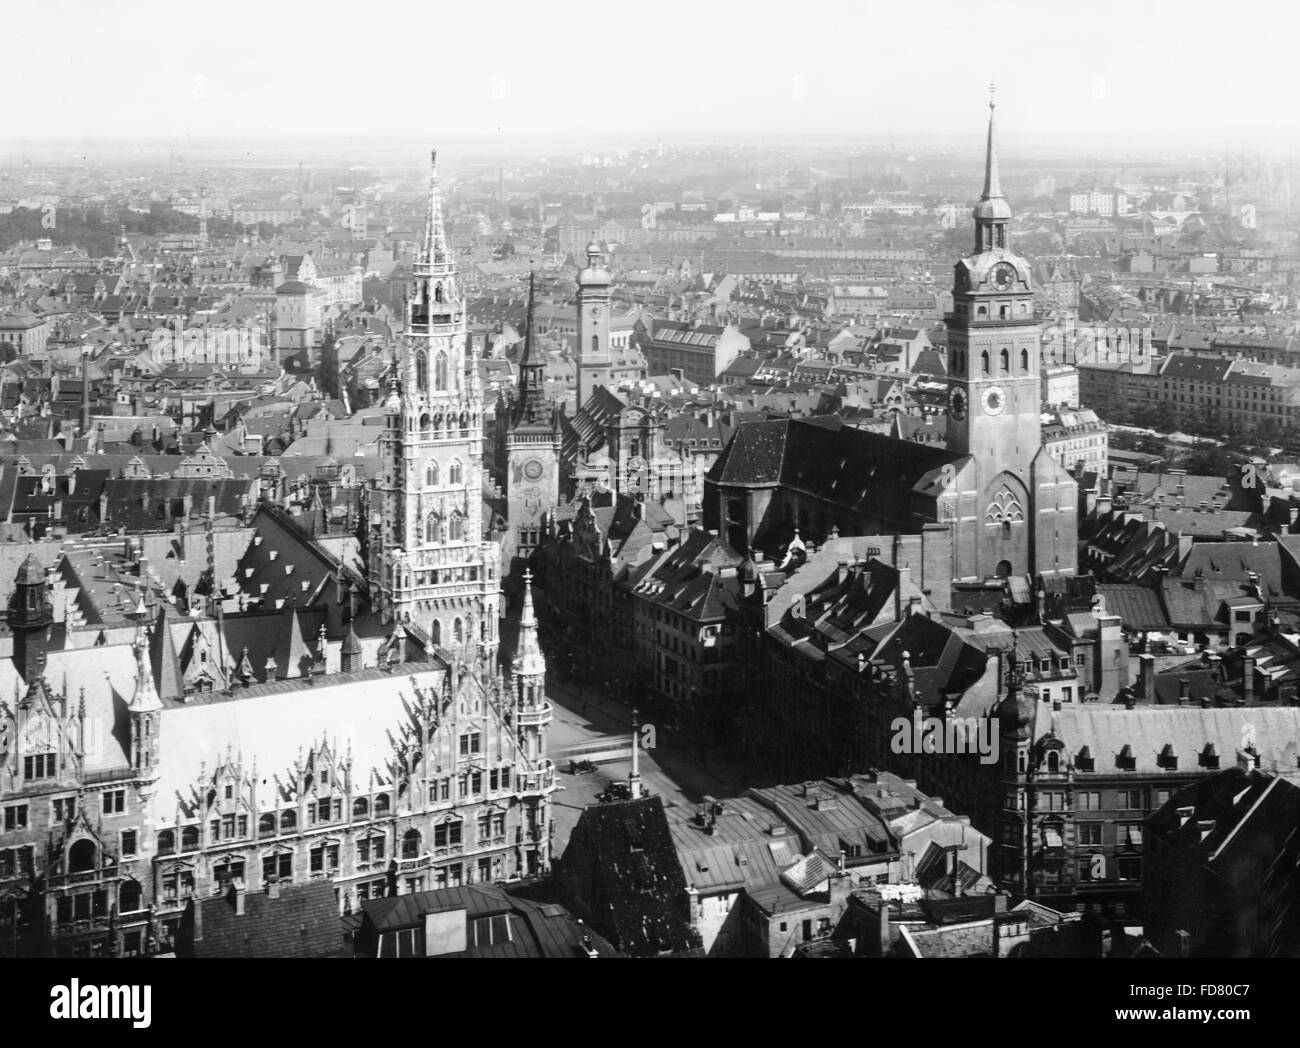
{"x": 532, "y": 378}
{"x": 992, "y": 182}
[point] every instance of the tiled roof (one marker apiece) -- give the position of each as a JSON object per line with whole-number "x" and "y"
{"x": 302, "y": 923}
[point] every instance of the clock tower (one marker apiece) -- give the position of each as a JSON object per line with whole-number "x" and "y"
{"x": 594, "y": 360}
{"x": 994, "y": 406}
{"x": 532, "y": 445}
{"x": 431, "y": 565}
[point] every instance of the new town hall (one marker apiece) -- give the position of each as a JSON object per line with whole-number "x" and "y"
{"x": 360, "y": 732}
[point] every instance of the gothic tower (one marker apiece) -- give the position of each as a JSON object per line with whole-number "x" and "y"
{"x": 994, "y": 406}
{"x": 532, "y": 446}
{"x": 594, "y": 360}
{"x": 430, "y": 565}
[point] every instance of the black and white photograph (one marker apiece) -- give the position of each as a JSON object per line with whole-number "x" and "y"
{"x": 662, "y": 481}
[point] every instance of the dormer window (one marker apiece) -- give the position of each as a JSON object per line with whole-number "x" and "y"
{"x": 1126, "y": 761}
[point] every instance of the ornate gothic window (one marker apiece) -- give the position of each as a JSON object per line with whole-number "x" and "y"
{"x": 433, "y": 529}
{"x": 440, "y": 371}
{"x": 431, "y": 475}
{"x": 1024, "y": 361}
{"x": 457, "y": 529}
{"x": 421, "y": 371}
{"x": 984, "y": 362}
{"x": 1004, "y": 509}
{"x": 455, "y": 475}
{"x": 1006, "y": 362}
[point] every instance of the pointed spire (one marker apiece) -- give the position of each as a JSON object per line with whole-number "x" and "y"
{"x": 528, "y": 326}
{"x": 434, "y": 249}
{"x": 992, "y": 182}
{"x": 145, "y": 699}
{"x": 529, "y": 660}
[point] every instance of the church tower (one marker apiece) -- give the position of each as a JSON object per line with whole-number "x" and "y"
{"x": 430, "y": 565}
{"x": 594, "y": 359}
{"x": 532, "y": 450}
{"x": 1011, "y": 525}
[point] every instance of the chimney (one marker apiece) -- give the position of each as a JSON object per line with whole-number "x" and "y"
{"x": 237, "y": 890}
{"x": 885, "y": 939}
{"x": 273, "y": 888}
{"x": 1147, "y": 678}
{"x": 1248, "y": 679}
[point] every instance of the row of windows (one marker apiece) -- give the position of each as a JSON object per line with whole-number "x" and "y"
{"x": 455, "y": 475}
{"x": 1088, "y": 800}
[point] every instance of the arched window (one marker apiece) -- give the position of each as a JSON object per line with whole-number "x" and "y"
{"x": 411, "y": 844}
{"x": 421, "y": 371}
{"x": 1006, "y": 361}
{"x": 1053, "y": 762}
{"x": 166, "y": 842}
{"x": 382, "y": 804}
{"x": 1004, "y": 508}
{"x": 81, "y": 856}
{"x": 455, "y": 475}
{"x": 189, "y": 838}
{"x": 437, "y": 292}
{"x": 984, "y": 362}
{"x": 437, "y": 632}
{"x": 433, "y": 529}
{"x": 424, "y": 423}
{"x": 595, "y": 343}
{"x": 360, "y": 808}
{"x": 431, "y": 475}
{"x": 266, "y": 824}
{"x": 457, "y": 529}
{"x": 458, "y": 631}
{"x": 440, "y": 371}
{"x": 982, "y": 311}
{"x": 1024, "y": 361}
{"x": 288, "y": 821}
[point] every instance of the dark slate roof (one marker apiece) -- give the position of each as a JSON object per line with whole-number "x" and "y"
{"x": 1228, "y": 810}
{"x": 850, "y": 467}
{"x": 1138, "y": 606}
{"x": 621, "y": 868}
{"x": 302, "y": 922}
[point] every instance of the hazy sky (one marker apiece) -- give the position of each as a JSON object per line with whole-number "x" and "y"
{"x": 1194, "y": 75}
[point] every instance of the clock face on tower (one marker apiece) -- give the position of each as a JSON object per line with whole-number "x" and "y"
{"x": 533, "y": 469}
{"x": 1004, "y": 275}
{"x": 994, "y": 400}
